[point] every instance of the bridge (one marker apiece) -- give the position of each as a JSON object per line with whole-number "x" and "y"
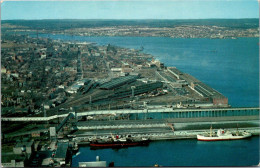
{"x": 69, "y": 116}
{"x": 174, "y": 113}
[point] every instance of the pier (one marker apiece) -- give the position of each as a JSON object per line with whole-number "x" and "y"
{"x": 165, "y": 135}
{"x": 165, "y": 113}
{"x": 154, "y": 122}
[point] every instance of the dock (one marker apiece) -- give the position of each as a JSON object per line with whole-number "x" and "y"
{"x": 162, "y": 129}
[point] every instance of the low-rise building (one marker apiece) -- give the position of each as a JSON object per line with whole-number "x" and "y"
{"x": 14, "y": 161}
{"x": 62, "y": 153}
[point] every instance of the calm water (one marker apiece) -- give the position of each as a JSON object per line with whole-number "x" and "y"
{"x": 231, "y": 66}
{"x": 179, "y": 153}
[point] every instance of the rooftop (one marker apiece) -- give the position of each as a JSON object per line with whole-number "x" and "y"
{"x": 116, "y": 82}
{"x": 175, "y": 70}
{"x": 21, "y": 144}
{"x": 8, "y": 158}
{"x": 207, "y": 91}
{"x": 62, "y": 150}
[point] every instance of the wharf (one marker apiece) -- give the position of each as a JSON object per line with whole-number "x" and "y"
{"x": 248, "y": 121}
{"x": 161, "y": 129}
{"x": 168, "y": 112}
{"x": 155, "y": 135}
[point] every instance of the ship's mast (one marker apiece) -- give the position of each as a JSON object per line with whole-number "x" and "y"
{"x": 112, "y": 136}
{"x": 237, "y": 133}
{"x": 210, "y": 133}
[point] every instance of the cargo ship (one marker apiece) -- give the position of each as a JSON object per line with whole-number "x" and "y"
{"x": 118, "y": 142}
{"x": 223, "y": 135}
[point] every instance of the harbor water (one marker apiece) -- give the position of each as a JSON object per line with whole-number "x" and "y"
{"x": 231, "y": 66}
{"x": 178, "y": 153}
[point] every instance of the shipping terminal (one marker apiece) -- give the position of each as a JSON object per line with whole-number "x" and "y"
{"x": 131, "y": 100}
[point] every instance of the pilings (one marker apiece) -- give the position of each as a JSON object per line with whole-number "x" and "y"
{"x": 148, "y": 113}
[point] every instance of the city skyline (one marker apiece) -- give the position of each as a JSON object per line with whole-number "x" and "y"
{"x": 110, "y": 9}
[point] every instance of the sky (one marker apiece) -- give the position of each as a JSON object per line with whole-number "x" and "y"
{"x": 130, "y": 9}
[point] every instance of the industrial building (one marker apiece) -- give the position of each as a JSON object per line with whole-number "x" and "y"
{"x": 117, "y": 82}
{"x": 20, "y": 155}
{"x": 210, "y": 93}
{"x": 201, "y": 88}
{"x": 188, "y": 78}
{"x": 14, "y": 161}
{"x": 136, "y": 90}
{"x": 174, "y": 71}
{"x": 62, "y": 153}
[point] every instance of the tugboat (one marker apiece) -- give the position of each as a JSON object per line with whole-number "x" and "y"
{"x": 118, "y": 142}
{"x": 223, "y": 135}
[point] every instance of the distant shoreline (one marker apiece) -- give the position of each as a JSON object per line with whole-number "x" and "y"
{"x": 183, "y": 28}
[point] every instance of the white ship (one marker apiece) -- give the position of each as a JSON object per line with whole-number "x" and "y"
{"x": 223, "y": 135}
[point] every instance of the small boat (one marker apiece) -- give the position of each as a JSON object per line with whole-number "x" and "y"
{"x": 78, "y": 153}
{"x": 118, "y": 142}
{"x": 223, "y": 135}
